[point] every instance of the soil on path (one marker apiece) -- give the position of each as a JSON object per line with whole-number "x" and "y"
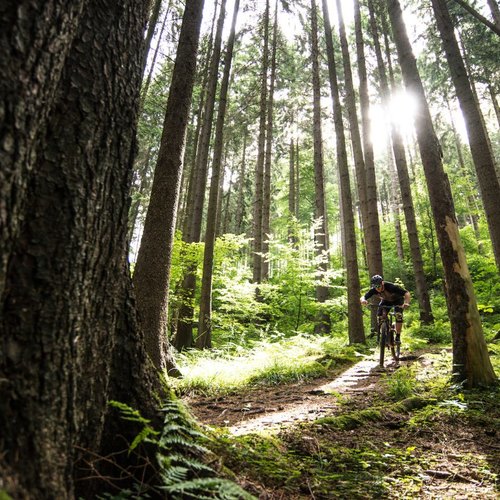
{"x": 272, "y": 408}
{"x": 452, "y": 460}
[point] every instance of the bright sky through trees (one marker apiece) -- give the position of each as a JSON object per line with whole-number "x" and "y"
{"x": 291, "y": 24}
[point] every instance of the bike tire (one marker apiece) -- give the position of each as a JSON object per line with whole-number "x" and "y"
{"x": 384, "y": 331}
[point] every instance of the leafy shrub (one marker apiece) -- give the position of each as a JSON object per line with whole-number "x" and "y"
{"x": 401, "y": 384}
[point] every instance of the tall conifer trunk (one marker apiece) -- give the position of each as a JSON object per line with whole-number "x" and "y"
{"x": 259, "y": 166}
{"x": 479, "y": 142}
{"x": 266, "y": 194}
{"x": 204, "y": 339}
{"x": 355, "y": 317}
{"x": 320, "y": 236}
{"x": 184, "y": 333}
{"x": 152, "y": 270}
{"x": 67, "y": 317}
{"x": 471, "y": 363}
{"x": 402, "y": 171}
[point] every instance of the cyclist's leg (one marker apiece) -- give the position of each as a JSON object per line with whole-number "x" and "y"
{"x": 398, "y": 311}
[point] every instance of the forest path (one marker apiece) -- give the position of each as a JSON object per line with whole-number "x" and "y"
{"x": 271, "y": 408}
{"x": 449, "y": 455}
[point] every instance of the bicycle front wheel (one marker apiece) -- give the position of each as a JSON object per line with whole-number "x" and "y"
{"x": 384, "y": 332}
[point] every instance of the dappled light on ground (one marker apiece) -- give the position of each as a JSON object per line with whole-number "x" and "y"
{"x": 270, "y": 409}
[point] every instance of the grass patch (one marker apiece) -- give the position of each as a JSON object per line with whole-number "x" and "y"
{"x": 402, "y": 383}
{"x": 268, "y": 363}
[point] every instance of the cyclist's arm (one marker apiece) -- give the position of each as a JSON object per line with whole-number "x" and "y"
{"x": 407, "y": 299}
{"x": 364, "y": 298}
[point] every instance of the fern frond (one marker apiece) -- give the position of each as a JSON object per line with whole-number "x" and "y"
{"x": 207, "y": 488}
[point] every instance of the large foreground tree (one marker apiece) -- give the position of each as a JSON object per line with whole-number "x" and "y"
{"x": 471, "y": 362}
{"x": 69, "y": 86}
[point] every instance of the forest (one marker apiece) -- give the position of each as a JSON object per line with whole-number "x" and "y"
{"x": 196, "y": 197}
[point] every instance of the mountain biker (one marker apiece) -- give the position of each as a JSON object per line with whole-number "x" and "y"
{"x": 390, "y": 295}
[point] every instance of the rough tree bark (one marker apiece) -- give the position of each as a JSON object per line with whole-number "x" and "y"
{"x": 184, "y": 335}
{"x": 322, "y": 324}
{"x": 69, "y": 333}
{"x": 259, "y": 166}
{"x": 471, "y": 363}
{"x": 152, "y": 270}
{"x": 479, "y": 142}
{"x": 204, "y": 339}
{"x": 266, "y": 194}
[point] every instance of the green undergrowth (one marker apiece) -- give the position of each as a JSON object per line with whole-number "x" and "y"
{"x": 268, "y": 363}
{"x": 183, "y": 468}
{"x": 420, "y": 425}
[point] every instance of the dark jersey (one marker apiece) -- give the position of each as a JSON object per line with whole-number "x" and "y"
{"x": 390, "y": 293}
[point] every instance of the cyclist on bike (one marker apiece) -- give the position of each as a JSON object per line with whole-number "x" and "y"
{"x": 390, "y": 295}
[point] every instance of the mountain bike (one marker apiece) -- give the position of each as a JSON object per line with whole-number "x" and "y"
{"x": 387, "y": 336}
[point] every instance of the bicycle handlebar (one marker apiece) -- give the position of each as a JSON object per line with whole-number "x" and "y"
{"x": 384, "y": 306}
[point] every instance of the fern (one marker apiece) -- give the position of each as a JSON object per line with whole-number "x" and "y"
{"x": 207, "y": 488}
{"x": 132, "y": 415}
{"x": 179, "y": 454}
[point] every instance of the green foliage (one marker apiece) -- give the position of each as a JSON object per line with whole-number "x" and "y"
{"x": 127, "y": 413}
{"x": 267, "y": 363}
{"x": 401, "y": 384}
{"x": 284, "y": 305}
{"x": 262, "y": 456}
{"x": 183, "y": 474}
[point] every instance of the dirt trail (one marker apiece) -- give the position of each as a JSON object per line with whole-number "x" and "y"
{"x": 272, "y": 408}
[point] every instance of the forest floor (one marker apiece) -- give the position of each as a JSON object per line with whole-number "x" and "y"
{"x": 344, "y": 436}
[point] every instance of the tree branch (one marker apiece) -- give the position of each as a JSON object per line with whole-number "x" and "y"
{"x": 478, "y": 16}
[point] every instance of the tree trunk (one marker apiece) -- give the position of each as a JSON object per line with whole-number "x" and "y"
{"x": 200, "y": 112}
{"x": 259, "y": 166}
{"x": 355, "y": 317}
{"x": 471, "y": 202}
{"x": 240, "y": 209}
{"x": 479, "y": 142}
{"x": 372, "y": 230}
{"x": 323, "y": 319}
{"x": 152, "y": 270}
{"x": 147, "y": 83}
{"x": 152, "y": 22}
{"x": 67, "y": 317}
{"x": 224, "y": 227}
{"x": 297, "y": 180}
{"x": 404, "y": 178}
{"x": 184, "y": 336}
{"x": 395, "y": 203}
{"x": 45, "y": 24}
{"x": 266, "y": 195}
{"x": 204, "y": 339}
{"x": 495, "y": 12}
{"x": 471, "y": 363}
{"x": 494, "y": 101}
{"x": 292, "y": 214}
